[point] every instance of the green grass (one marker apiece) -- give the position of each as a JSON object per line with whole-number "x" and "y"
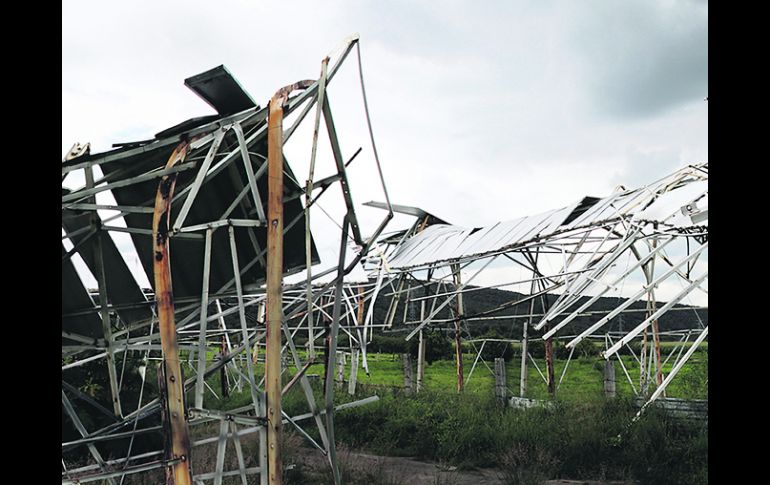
{"x": 582, "y": 436}
{"x": 583, "y": 381}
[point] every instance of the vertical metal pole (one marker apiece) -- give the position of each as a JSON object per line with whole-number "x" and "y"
{"x": 327, "y": 336}
{"x": 308, "y": 193}
{"x": 421, "y": 358}
{"x": 104, "y": 310}
{"x": 200, "y": 380}
{"x": 458, "y": 336}
{"x": 523, "y": 380}
{"x": 257, "y": 397}
{"x": 180, "y": 440}
{"x": 649, "y": 273}
{"x": 548, "y": 348}
{"x": 331, "y": 352}
{"x": 274, "y": 286}
{"x": 106, "y": 323}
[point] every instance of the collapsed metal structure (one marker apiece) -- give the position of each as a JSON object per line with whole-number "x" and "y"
{"x": 214, "y": 209}
{"x": 658, "y": 233}
{"x": 210, "y": 204}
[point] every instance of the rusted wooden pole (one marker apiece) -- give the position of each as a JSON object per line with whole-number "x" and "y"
{"x": 180, "y": 473}
{"x": 274, "y": 285}
{"x": 550, "y": 374}
{"x": 459, "y": 312}
{"x": 274, "y": 278}
{"x": 655, "y": 327}
{"x": 524, "y": 370}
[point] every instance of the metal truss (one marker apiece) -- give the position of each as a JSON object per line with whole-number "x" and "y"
{"x": 574, "y": 253}
{"x": 209, "y": 213}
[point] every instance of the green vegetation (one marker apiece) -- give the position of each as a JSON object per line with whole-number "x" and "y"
{"x": 589, "y": 440}
{"x": 580, "y": 436}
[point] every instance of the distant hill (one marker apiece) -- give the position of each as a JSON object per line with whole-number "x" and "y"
{"x": 480, "y": 301}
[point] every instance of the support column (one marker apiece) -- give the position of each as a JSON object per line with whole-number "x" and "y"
{"x": 459, "y": 313}
{"x": 421, "y": 361}
{"x": 655, "y": 328}
{"x": 308, "y": 194}
{"x": 179, "y": 473}
{"x": 274, "y": 286}
{"x": 103, "y": 304}
{"x": 524, "y": 376}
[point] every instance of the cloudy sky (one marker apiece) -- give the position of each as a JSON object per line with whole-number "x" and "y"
{"x": 482, "y": 111}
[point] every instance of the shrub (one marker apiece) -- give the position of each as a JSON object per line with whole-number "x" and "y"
{"x": 493, "y": 350}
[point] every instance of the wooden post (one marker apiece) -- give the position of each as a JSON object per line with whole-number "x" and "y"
{"x": 180, "y": 473}
{"x": 340, "y": 380}
{"x": 274, "y": 285}
{"x": 408, "y": 381}
{"x": 459, "y": 312}
{"x": 609, "y": 378}
{"x": 353, "y": 373}
{"x": 500, "y": 389}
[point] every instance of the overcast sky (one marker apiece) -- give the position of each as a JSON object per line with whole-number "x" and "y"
{"x": 482, "y": 111}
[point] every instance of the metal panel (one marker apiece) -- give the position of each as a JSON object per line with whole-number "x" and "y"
{"x": 75, "y": 298}
{"x": 122, "y": 287}
{"x": 212, "y": 201}
{"x": 221, "y": 91}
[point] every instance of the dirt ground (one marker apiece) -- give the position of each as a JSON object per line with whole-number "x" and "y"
{"x": 396, "y": 470}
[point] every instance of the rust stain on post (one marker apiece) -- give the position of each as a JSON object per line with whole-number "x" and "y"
{"x": 274, "y": 282}
{"x": 179, "y": 473}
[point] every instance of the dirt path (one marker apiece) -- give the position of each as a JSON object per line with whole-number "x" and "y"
{"x": 357, "y": 467}
{"x": 374, "y": 469}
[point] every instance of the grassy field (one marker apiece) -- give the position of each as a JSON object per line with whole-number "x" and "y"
{"x": 581, "y": 436}
{"x": 583, "y": 381}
